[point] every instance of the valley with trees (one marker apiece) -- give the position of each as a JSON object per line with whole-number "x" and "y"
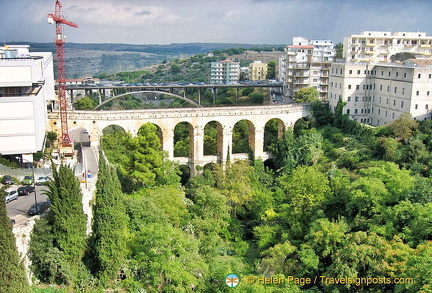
{"x": 339, "y": 199}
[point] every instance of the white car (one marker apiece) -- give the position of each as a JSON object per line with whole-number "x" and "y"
{"x": 42, "y": 180}
{"x": 11, "y": 195}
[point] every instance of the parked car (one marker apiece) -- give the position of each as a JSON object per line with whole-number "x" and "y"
{"x": 7, "y": 179}
{"x": 11, "y": 195}
{"x": 42, "y": 180}
{"x": 39, "y": 208}
{"x": 26, "y": 190}
{"x": 27, "y": 180}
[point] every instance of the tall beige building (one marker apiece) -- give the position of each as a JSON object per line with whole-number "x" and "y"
{"x": 258, "y": 71}
{"x": 377, "y": 91}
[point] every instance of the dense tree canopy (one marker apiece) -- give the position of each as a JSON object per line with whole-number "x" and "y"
{"x": 337, "y": 199}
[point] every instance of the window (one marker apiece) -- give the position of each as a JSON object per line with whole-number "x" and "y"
{"x": 426, "y": 106}
{"x": 357, "y": 87}
{"x": 395, "y": 90}
{"x": 427, "y": 93}
{"x": 401, "y": 104}
{"x": 417, "y": 93}
{"x": 388, "y": 88}
{"x": 393, "y": 115}
{"x": 387, "y": 101}
{"x": 355, "y": 111}
{"x": 430, "y": 76}
{"x": 416, "y": 106}
{"x": 397, "y": 74}
{"x": 380, "y": 87}
{"x": 349, "y": 99}
{"x": 358, "y": 71}
{"x": 419, "y": 75}
{"x": 403, "y": 91}
{"x": 348, "y": 111}
{"x": 349, "y": 86}
{"x": 394, "y": 102}
{"x": 385, "y": 114}
{"x": 356, "y": 99}
{"x": 350, "y": 72}
{"x": 382, "y": 72}
{"x": 379, "y": 111}
{"x": 405, "y": 75}
{"x": 362, "y": 111}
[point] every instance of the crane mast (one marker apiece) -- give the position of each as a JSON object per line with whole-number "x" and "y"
{"x": 59, "y": 20}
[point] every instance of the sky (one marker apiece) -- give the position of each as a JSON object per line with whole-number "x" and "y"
{"x": 211, "y": 21}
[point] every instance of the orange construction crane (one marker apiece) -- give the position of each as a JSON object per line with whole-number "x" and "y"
{"x": 59, "y": 20}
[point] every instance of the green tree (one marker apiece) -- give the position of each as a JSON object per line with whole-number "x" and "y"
{"x": 306, "y": 189}
{"x": 85, "y": 103}
{"x": 12, "y": 273}
{"x": 68, "y": 219}
{"x": 108, "y": 242}
{"x": 307, "y": 95}
{"x": 147, "y": 156}
{"x": 339, "y": 50}
{"x": 51, "y": 138}
{"x": 166, "y": 259}
{"x": 271, "y": 70}
{"x": 404, "y": 127}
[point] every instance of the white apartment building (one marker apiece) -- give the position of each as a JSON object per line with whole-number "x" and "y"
{"x": 378, "y": 94}
{"x": 374, "y": 46}
{"x": 306, "y": 63}
{"x": 26, "y": 85}
{"x": 375, "y": 90}
{"x": 225, "y": 71}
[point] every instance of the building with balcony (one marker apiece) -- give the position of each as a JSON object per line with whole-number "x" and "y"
{"x": 375, "y": 89}
{"x": 225, "y": 71}
{"x": 377, "y": 46}
{"x": 26, "y": 85}
{"x": 306, "y": 63}
{"x": 258, "y": 71}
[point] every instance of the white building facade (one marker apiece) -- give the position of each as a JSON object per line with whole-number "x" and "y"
{"x": 26, "y": 85}
{"x": 306, "y": 63}
{"x": 379, "y": 94}
{"x": 377, "y": 91}
{"x": 374, "y": 47}
{"x": 225, "y": 71}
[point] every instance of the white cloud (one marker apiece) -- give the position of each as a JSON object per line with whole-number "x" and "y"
{"x": 246, "y": 21}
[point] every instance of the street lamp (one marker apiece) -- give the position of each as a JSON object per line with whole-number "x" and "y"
{"x": 34, "y": 179}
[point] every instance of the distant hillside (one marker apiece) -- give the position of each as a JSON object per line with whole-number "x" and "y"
{"x": 94, "y": 59}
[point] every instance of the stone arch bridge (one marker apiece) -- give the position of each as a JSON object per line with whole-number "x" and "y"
{"x": 197, "y": 118}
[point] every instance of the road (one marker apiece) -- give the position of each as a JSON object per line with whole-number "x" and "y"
{"x": 23, "y": 203}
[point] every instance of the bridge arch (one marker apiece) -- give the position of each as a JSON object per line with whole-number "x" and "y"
{"x": 197, "y": 118}
{"x": 273, "y": 130}
{"x": 149, "y": 91}
{"x": 183, "y": 139}
{"x": 243, "y": 137}
{"x": 213, "y": 132}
